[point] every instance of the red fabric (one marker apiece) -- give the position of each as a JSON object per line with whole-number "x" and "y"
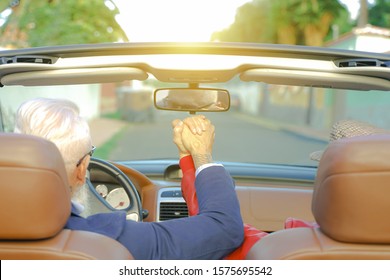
{"x": 251, "y": 234}
{"x": 188, "y": 185}
{"x": 294, "y": 223}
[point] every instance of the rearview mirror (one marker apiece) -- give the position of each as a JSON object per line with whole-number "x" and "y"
{"x": 192, "y": 99}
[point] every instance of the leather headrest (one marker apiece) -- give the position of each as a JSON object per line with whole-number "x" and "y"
{"x": 351, "y": 198}
{"x": 35, "y": 195}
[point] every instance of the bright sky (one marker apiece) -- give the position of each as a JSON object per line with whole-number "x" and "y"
{"x": 353, "y": 6}
{"x": 159, "y": 20}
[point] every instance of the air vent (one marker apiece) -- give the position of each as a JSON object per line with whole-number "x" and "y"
{"x": 173, "y": 210}
{"x": 28, "y": 59}
{"x": 361, "y": 62}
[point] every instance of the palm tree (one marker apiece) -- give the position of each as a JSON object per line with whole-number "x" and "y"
{"x": 312, "y": 19}
{"x": 285, "y": 22}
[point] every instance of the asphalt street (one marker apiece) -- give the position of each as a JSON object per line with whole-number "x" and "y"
{"x": 238, "y": 138}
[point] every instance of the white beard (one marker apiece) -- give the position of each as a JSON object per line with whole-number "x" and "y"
{"x": 81, "y": 196}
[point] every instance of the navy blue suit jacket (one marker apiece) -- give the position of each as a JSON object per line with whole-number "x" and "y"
{"x": 212, "y": 234}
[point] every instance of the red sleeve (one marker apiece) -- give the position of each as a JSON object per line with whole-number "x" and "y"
{"x": 251, "y": 234}
{"x": 188, "y": 185}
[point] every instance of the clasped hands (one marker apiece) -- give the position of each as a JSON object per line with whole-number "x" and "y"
{"x": 194, "y": 136}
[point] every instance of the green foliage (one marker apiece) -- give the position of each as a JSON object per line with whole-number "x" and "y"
{"x": 114, "y": 115}
{"x": 286, "y": 21}
{"x": 340, "y": 25}
{"x": 59, "y": 22}
{"x": 252, "y": 24}
{"x": 379, "y": 14}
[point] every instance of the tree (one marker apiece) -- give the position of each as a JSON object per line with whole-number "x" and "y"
{"x": 379, "y": 13}
{"x": 56, "y": 22}
{"x": 285, "y": 21}
{"x": 315, "y": 17}
{"x": 342, "y": 24}
{"x": 250, "y": 25}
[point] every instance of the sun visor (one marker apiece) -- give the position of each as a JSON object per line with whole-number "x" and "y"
{"x": 315, "y": 79}
{"x": 74, "y": 76}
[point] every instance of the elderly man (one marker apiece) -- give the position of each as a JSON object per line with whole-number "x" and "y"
{"x": 216, "y": 231}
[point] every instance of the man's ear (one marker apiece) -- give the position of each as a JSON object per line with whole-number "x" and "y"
{"x": 81, "y": 172}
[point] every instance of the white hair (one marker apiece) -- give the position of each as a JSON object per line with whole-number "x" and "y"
{"x": 58, "y": 121}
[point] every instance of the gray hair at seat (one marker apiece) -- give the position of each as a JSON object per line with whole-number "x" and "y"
{"x": 349, "y": 128}
{"x": 58, "y": 121}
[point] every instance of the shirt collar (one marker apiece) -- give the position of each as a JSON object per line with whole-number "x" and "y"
{"x": 77, "y": 208}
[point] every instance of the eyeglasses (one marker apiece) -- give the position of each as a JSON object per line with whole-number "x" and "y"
{"x": 90, "y": 153}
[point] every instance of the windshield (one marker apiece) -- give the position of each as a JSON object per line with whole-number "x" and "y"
{"x": 267, "y": 123}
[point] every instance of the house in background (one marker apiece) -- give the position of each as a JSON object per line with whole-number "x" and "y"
{"x": 369, "y": 39}
{"x": 318, "y": 108}
{"x": 87, "y": 97}
{"x": 348, "y": 104}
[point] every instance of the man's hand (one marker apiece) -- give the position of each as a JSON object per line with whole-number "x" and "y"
{"x": 196, "y": 123}
{"x": 194, "y": 135}
{"x": 178, "y": 127}
{"x": 198, "y": 135}
{"x": 200, "y": 145}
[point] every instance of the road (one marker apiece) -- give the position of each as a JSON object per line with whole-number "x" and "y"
{"x": 238, "y": 138}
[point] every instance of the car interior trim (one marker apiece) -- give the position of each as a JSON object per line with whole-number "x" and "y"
{"x": 315, "y": 79}
{"x": 74, "y": 76}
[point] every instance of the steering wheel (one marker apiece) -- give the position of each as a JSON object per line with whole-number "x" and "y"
{"x": 116, "y": 176}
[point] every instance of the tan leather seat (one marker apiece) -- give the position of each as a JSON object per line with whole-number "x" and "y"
{"x": 35, "y": 205}
{"x": 351, "y": 204}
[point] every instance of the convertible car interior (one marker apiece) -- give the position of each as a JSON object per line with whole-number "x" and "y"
{"x": 351, "y": 200}
{"x": 272, "y": 105}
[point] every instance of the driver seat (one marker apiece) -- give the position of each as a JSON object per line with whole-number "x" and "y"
{"x": 35, "y": 206}
{"x": 351, "y": 205}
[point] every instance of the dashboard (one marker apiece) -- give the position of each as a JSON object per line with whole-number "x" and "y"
{"x": 268, "y": 195}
